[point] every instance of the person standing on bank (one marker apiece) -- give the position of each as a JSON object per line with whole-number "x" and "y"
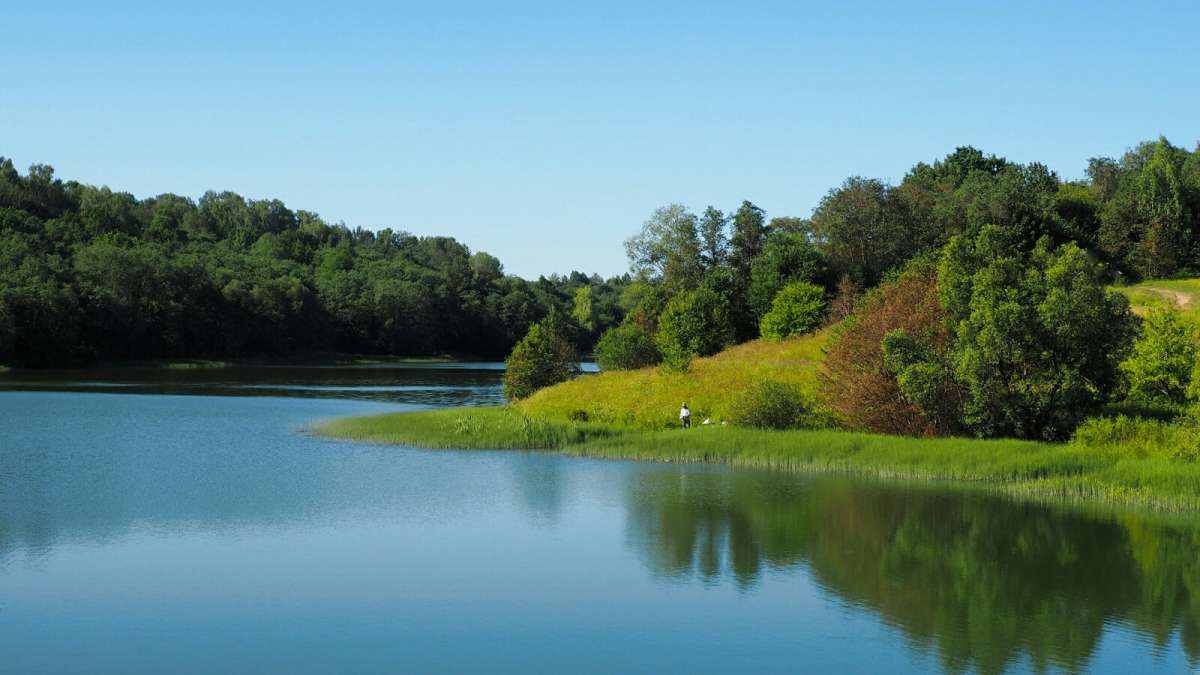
{"x": 685, "y": 416}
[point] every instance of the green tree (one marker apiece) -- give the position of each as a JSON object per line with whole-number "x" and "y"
{"x": 584, "y": 310}
{"x": 714, "y": 240}
{"x": 749, "y": 237}
{"x": 797, "y": 309}
{"x": 545, "y": 356}
{"x": 1038, "y": 338}
{"x": 1160, "y": 368}
{"x": 1148, "y": 215}
{"x": 667, "y": 248}
{"x": 862, "y": 229}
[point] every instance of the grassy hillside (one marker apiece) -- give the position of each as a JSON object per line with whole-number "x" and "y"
{"x": 1183, "y": 294}
{"x": 649, "y": 398}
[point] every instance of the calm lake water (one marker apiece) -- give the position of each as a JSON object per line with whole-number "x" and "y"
{"x": 182, "y": 521}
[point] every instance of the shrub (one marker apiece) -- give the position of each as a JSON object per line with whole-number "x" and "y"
{"x": 861, "y": 389}
{"x": 797, "y": 309}
{"x": 1186, "y": 448}
{"x": 626, "y": 347}
{"x": 545, "y": 356}
{"x": 844, "y": 300}
{"x": 1130, "y": 435}
{"x": 770, "y": 405}
{"x": 695, "y": 323}
{"x": 1160, "y": 368}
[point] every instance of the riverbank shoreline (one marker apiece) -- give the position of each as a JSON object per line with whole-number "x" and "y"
{"x": 1041, "y": 471}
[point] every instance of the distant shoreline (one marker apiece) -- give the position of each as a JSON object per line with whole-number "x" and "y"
{"x": 298, "y": 359}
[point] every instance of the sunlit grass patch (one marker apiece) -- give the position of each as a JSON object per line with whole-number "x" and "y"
{"x": 493, "y": 428}
{"x": 1182, "y": 294}
{"x": 649, "y": 398}
{"x": 195, "y": 364}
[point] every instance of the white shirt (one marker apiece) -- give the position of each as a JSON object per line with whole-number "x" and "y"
{"x": 684, "y": 413}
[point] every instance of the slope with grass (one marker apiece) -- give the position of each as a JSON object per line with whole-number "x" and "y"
{"x": 649, "y": 398}
{"x": 1182, "y": 294}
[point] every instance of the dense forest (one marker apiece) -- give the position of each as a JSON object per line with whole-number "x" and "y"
{"x": 87, "y": 273}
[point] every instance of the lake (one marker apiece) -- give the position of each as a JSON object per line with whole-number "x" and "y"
{"x": 183, "y": 521}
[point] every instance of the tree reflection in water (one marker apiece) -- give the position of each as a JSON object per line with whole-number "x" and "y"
{"x": 981, "y": 579}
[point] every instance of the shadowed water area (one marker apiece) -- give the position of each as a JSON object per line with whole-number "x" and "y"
{"x": 183, "y": 521}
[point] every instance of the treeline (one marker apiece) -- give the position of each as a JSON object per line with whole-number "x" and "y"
{"x": 706, "y": 281}
{"x": 1140, "y": 215}
{"x": 87, "y": 273}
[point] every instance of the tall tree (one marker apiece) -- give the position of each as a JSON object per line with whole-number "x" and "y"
{"x": 749, "y": 236}
{"x": 862, "y": 229}
{"x": 667, "y": 248}
{"x": 714, "y": 240}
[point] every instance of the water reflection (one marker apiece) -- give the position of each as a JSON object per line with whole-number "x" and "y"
{"x": 983, "y": 581}
{"x": 541, "y": 489}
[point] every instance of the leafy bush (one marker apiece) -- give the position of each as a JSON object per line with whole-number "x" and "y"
{"x": 770, "y": 405}
{"x": 695, "y": 323}
{"x": 797, "y": 309}
{"x": 1178, "y": 441}
{"x": 1159, "y": 370}
{"x": 626, "y": 347}
{"x": 1186, "y": 446}
{"x": 1130, "y": 435}
{"x": 545, "y": 356}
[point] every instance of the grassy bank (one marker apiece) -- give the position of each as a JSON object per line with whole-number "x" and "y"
{"x": 1039, "y": 470}
{"x": 649, "y": 398}
{"x": 466, "y": 428}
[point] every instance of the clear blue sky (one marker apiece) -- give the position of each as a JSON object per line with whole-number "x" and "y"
{"x": 545, "y": 133}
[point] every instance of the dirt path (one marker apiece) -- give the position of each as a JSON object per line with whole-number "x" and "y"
{"x": 1182, "y": 300}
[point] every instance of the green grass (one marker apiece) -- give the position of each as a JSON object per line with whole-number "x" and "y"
{"x": 1070, "y": 472}
{"x": 497, "y": 428}
{"x": 1183, "y": 294}
{"x": 194, "y": 364}
{"x": 649, "y": 398}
